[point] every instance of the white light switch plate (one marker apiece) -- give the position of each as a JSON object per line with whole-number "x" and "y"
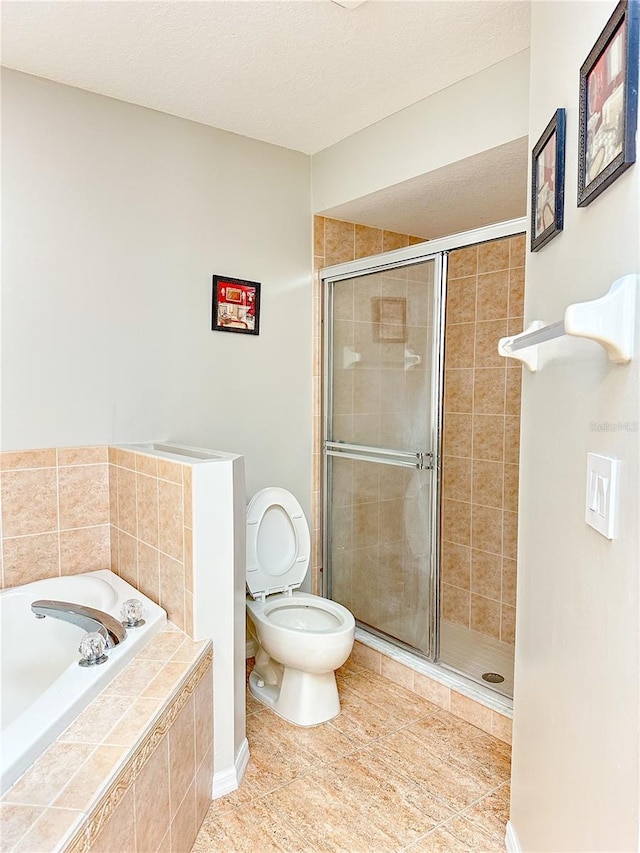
{"x": 601, "y": 497}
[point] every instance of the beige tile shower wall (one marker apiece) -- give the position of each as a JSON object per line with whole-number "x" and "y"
{"x": 336, "y": 242}
{"x": 152, "y": 530}
{"x": 54, "y": 517}
{"x": 485, "y": 297}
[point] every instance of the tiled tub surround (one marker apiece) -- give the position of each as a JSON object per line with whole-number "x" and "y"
{"x": 485, "y": 296}
{"x": 151, "y": 516}
{"x": 54, "y": 517}
{"x": 171, "y": 524}
{"x": 78, "y": 509}
{"x": 133, "y": 772}
{"x": 43, "y": 689}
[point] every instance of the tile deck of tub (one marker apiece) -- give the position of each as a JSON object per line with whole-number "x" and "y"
{"x": 45, "y": 809}
{"x": 393, "y": 772}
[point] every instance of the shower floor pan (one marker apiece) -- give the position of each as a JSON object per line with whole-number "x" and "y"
{"x": 474, "y": 654}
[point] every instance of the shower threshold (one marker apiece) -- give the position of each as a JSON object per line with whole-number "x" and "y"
{"x": 444, "y": 674}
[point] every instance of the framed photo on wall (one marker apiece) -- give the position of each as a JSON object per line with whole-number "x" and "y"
{"x": 547, "y": 182}
{"x": 609, "y": 104}
{"x": 236, "y": 305}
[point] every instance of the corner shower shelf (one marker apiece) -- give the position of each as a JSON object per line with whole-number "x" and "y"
{"x": 609, "y": 321}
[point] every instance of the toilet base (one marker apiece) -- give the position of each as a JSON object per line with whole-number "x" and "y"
{"x": 302, "y": 698}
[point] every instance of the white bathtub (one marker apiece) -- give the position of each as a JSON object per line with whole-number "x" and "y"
{"x": 42, "y": 686}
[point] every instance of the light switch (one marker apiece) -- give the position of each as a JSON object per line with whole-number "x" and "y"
{"x": 602, "y": 476}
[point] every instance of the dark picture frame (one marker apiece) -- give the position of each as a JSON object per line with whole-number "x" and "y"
{"x": 547, "y": 182}
{"x": 609, "y": 104}
{"x": 235, "y": 305}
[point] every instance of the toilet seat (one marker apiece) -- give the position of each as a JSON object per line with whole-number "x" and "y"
{"x": 278, "y": 543}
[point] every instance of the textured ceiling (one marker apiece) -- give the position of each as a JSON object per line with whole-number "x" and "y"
{"x": 298, "y": 73}
{"x": 455, "y": 198}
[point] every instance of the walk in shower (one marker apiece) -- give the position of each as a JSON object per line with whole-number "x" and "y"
{"x": 417, "y": 489}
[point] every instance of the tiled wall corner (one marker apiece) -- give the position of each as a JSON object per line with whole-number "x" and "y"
{"x": 479, "y": 715}
{"x": 78, "y": 509}
{"x": 54, "y": 513}
{"x": 485, "y": 299}
{"x": 151, "y": 529}
{"x": 335, "y": 242}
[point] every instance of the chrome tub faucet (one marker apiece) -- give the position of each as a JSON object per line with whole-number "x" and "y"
{"x": 87, "y": 618}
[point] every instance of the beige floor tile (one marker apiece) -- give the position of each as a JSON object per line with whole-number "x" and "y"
{"x": 455, "y": 786}
{"x": 491, "y": 813}
{"x": 372, "y": 706}
{"x": 222, "y": 805}
{"x": 281, "y": 752}
{"x": 326, "y": 819}
{"x": 311, "y": 746}
{"x": 253, "y": 706}
{"x": 254, "y": 828}
{"x": 457, "y": 836}
{"x": 383, "y": 796}
{"x": 465, "y": 746}
{"x": 392, "y": 772}
{"x": 389, "y": 695}
{"x": 349, "y": 667}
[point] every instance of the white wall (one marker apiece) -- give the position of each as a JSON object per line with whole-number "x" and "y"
{"x": 481, "y": 112}
{"x": 115, "y": 217}
{"x": 576, "y": 733}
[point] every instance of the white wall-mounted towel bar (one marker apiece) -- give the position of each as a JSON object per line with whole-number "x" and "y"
{"x": 609, "y": 321}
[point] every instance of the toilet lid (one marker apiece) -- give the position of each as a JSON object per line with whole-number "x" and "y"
{"x": 278, "y": 542}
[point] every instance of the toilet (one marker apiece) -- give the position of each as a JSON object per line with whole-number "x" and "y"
{"x": 302, "y": 638}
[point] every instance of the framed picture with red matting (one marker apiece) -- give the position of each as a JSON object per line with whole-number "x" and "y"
{"x": 236, "y": 305}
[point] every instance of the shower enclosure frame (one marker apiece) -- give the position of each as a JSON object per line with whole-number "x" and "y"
{"x": 434, "y": 250}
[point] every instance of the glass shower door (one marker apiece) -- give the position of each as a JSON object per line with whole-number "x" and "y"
{"x": 381, "y": 429}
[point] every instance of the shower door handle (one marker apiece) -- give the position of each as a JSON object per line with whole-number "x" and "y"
{"x": 421, "y": 460}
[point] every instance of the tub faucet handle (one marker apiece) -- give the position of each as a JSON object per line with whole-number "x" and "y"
{"x": 92, "y": 647}
{"x": 131, "y": 613}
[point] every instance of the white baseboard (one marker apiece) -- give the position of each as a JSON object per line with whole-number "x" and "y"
{"x": 242, "y": 759}
{"x": 228, "y": 780}
{"x": 251, "y": 649}
{"x": 511, "y": 841}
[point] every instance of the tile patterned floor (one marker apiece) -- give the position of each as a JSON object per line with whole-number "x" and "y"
{"x": 392, "y": 773}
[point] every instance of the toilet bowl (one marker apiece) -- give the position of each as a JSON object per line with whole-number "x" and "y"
{"x": 302, "y": 638}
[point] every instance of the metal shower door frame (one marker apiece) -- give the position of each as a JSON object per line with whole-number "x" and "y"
{"x": 440, "y": 248}
{"x": 437, "y": 385}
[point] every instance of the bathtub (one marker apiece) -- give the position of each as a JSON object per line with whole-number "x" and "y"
{"x": 42, "y": 686}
